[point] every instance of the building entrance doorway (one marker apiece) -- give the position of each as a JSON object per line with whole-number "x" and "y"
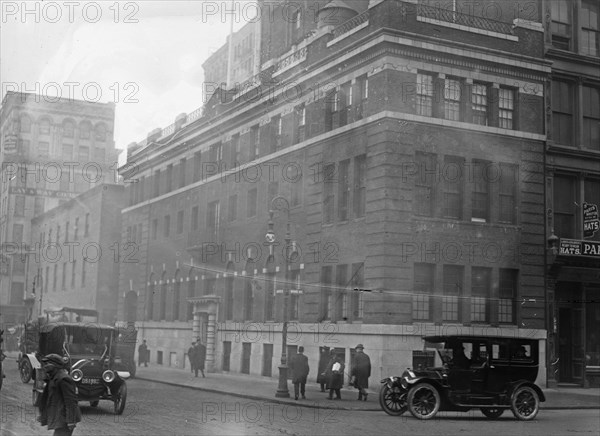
{"x": 570, "y": 336}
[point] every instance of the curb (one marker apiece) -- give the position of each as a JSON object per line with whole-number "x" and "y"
{"x": 317, "y": 405}
{"x": 311, "y": 405}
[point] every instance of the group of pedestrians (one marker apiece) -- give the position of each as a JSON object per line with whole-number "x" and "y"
{"x": 331, "y": 373}
{"x": 197, "y": 356}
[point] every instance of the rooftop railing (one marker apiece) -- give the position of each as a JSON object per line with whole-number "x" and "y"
{"x": 353, "y": 22}
{"x": 467, "y": 20}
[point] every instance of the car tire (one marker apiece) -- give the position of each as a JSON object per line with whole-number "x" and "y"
{"x": 94, "y": 403}
{"x": 525, "y": 403}
{"x": 492, "y": 413}
{"x": 25, "y": 370}
{"x": 120, "y": 399}
{"x": 423, "y": 401}
{"x": 392, "y": 400}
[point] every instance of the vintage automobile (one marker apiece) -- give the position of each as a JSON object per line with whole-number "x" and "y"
{"x": 492, "y": 374}
{"x": 90, "y": 352}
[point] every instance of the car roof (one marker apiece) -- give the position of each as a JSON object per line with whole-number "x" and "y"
{"x": 472, "y": 338}
{"x": 49, "y": 327}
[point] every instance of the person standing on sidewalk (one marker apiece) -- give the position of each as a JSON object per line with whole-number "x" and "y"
{"x": 324, "y": 359}
{"x": 336, "y": 377}
{"x": 191, "y": 352}
{"x": 300, "y": 370}
{"x": 143, "y": 354}
{"x": 200, "y": 357}
{"x": 361, "y": 371}
{"x": 58, "y": 403}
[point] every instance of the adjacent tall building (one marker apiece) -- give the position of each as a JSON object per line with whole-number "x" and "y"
{"x": 52, "y": 150}
{"x": 400, "y": 147}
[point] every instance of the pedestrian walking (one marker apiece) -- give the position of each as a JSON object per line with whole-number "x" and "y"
{"x": 143, "y": 354}
{"x": 191, "y": 351}
{"x": 325, "y": 358}
{"x": 335, "y": 379}
{"x": 200, "y": 357}
{"x": 300, "y": 369}
{"x": 361, "y": 371}
{"x": 58, "y": 402}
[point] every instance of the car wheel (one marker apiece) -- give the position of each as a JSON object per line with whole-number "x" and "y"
{"x": 25, "y": 370}
{"x": 492, "y": 412}
{"x": 392, "y": 400}
{"x": 94, "y": 403}
{"x": 525, "y": 403}
{"x": 423, "y": 401}
{"x": 120, "y": 399}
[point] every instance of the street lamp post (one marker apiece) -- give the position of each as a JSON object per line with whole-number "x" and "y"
{"x": 280, "y": 203}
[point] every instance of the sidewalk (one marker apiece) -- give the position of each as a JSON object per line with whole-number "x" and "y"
{"x": 264, "y": 388}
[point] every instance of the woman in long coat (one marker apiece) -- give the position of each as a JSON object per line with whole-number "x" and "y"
{"x": 335, "y": 373}
{"x": 324, "y": 361}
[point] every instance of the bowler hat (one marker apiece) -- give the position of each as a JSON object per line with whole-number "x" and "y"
{"x": 55, "y": 360}
{"x": 359, "y": 346}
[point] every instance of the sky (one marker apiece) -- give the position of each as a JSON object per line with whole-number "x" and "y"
{"x": 145, "y": 56}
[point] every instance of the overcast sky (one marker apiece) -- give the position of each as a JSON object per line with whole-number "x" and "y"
{"x": 146, "y": 56}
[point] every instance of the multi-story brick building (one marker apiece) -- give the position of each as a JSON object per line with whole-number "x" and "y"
{"x": 52, "y": 150}
{"x": 402, "y": 149}
{"x": 77, "y": 252}
{"x": 573, "y": 189}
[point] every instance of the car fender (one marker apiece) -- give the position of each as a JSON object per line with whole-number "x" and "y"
{"x": 433, "y": 382}
{"x": 35, "y": 363}
{"x": 520, "y": 383}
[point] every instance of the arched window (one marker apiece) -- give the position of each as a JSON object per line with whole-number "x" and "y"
{"x": 84, "y": 130}
{"x": 25, "y": 122}
{"x": 68, "y": 129}
{"x": 44, "y": 126}
{"x": 100, "y": 132}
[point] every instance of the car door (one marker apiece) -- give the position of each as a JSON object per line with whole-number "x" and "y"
{"x": 498, "y": 373}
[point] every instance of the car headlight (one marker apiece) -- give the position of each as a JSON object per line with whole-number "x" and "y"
{"x": 76, "y": 375}
{"x": 412, "y": 374}
{"x": 108, "y": 376}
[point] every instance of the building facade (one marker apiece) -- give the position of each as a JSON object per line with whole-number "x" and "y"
{"x": 78, "y": 251}
{"x": 52, "y": 150}
{"x": 400, "y": 150}
{"x": 573, "y": 189}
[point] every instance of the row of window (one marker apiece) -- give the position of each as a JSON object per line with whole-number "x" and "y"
{"x": 38, "y": 205}
{"x": 575, "y": 26}
{"x": 65, "y": 182}
{"x": 443, "y": 183}
{"x": 67, "y": 151}
{"x": 47, "y": 279}
{"x": 68, "y": 128}
{"x": 576, "y": 114}
{"x": 457, "y": 302}
{"x": 68, "y": 235}
{"x": 452, "y": 98}
{"x": 340, "y": 298}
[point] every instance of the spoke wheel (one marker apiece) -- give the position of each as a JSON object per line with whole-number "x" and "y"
{"x": 25, "y": 370}
{"x": 423, "y": 401}
{"x": 525, "y": 403}
{"x": 120, "y": 399}
{"x": 392, "y": 400}
{"x": 492, "y": 413}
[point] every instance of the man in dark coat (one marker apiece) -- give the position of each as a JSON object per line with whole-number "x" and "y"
{"x": 324, "y": 360}
{"x": 143, "y": 354}
{"x": 361, "y": 371}
{"x": 299, "y": 367}
{"x": 191, "y": 352}
{"x": 335, "y": 380}
{"x": 58, "y": 403}
{"x": 200, "y": 357}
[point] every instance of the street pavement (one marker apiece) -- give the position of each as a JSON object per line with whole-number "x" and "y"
{"x": 257, "y": 387}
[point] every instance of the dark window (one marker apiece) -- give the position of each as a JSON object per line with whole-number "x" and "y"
{"x": 251, "y": 203}
{"x": 197, "y": 166}
{"x": 154, "y": 228}
{"x": 424, "y": 94}
{"x": 453, "y": 187}
{"x": 508, "y": 191}
{"x": 341, "y": 280}
{"x": 561, "y": 23}
{"x": 343, "y": 189}
{"x": 424, "y": 274}
{"x": 300, "y": 120}
{"x": 182, "y": 172}
{"x": 357, "y": 282}
{"x": 328, "y": 192}
{"x": 590, "y": 27}
{"x": 480, "y": 195}
{"x": 167, "y": 226}
{"x": 326, "y": 296}
{"x": 38, "y": 206}
{"x": 195, "y": 224}
{"x": 506, "y": 105}
{"x": 68, "y": 129}
{"x": 254, "y": 142}
{"x": 453, "y": 291}
{"x": 212, "y": 217}
{"x": 479, "y": 103}
{"x": 480, "y": 293}
{"x": 19, "y": 205}
{"x": 507, "y": 295}
{"x": 169, "y": 181}
{"x": 562, "y": 112}
{"x": 295, "y": 179}
{"x": 565, "y": 206}
{"x": 179, "y": 222}
{"x": 591, "y": 118}
{"x": 363, "y": 93}
{"x": 232, "y": 208}
{"x": 425, "y": 183}
{"x": 45, "y": 127}
{"x": 156, "y": 183}
{"x": 452, "y": 98}
{"x": 360, "y": 185}
{"x": 234, "y": 159}
{"x": 276, "y": 130}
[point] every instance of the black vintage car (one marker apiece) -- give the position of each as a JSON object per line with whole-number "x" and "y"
{"x": 492, "y": 374}
{"x": 91, "y": 352}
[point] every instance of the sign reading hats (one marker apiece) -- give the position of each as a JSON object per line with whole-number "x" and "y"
{"x": 591, "y": 223}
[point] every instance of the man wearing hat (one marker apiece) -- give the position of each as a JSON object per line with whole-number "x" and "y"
{"x": 300, "y": 370}
{"x": 58, "y": 403}
{"x": 361, "y": 371}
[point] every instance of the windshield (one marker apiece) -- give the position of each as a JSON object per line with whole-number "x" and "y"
{"x": 88, "y": 341}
